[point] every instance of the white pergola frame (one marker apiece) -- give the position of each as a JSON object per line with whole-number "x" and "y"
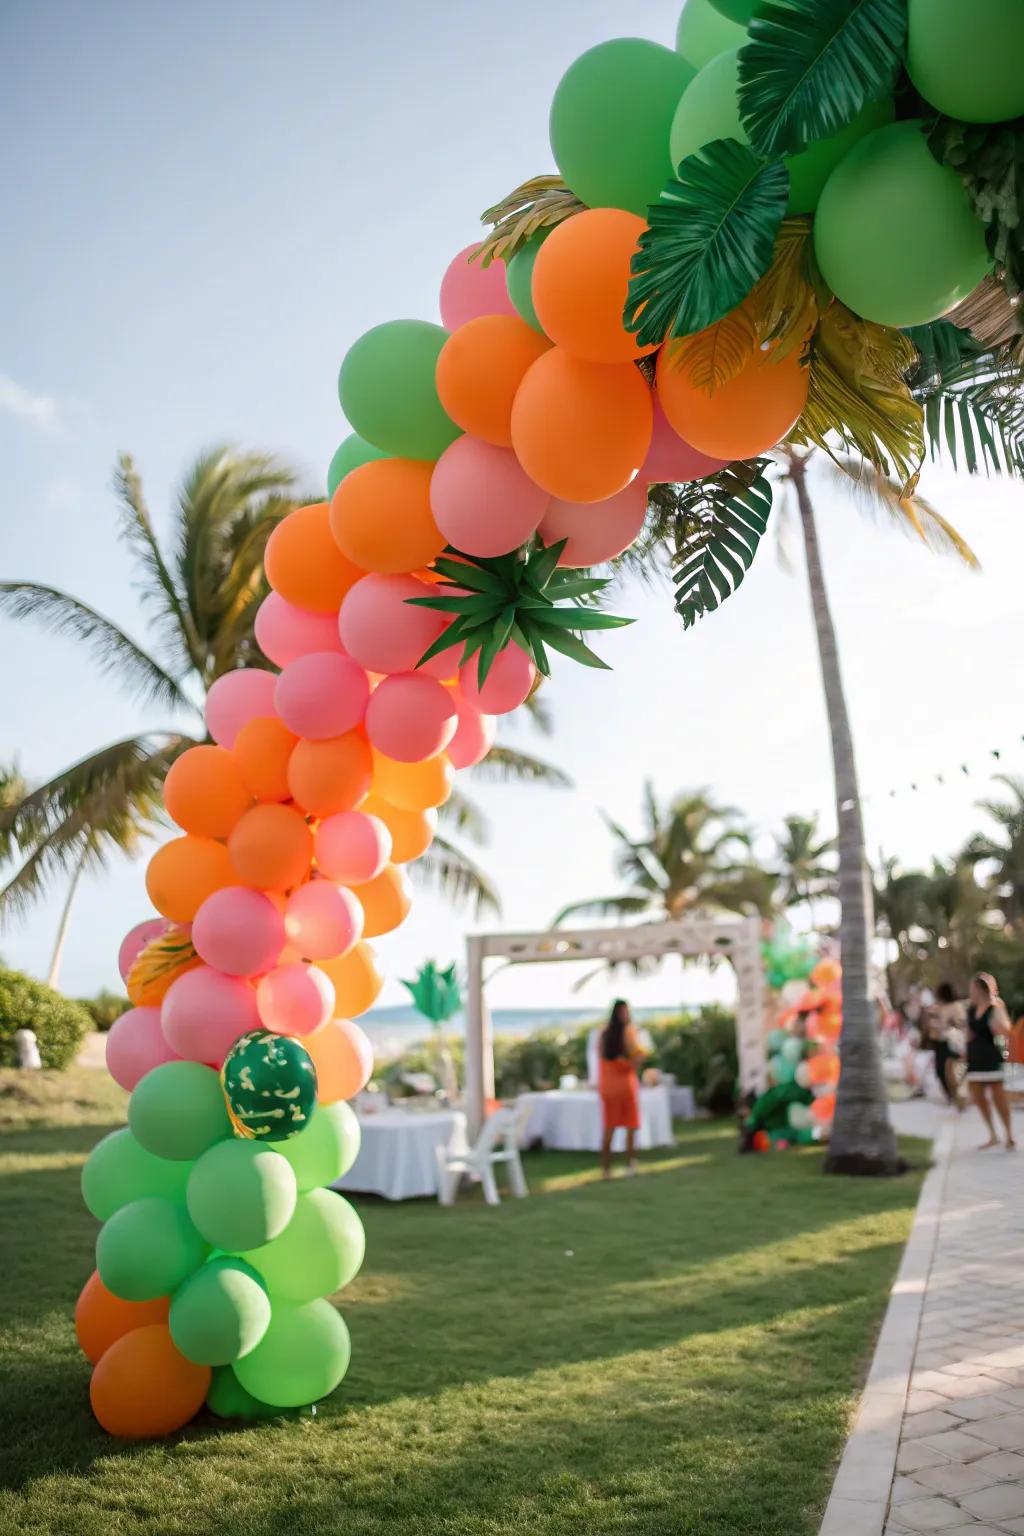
{"x": 737, "y": 939}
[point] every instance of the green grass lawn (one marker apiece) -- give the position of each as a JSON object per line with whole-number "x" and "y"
{"x": 664, "y": 1356}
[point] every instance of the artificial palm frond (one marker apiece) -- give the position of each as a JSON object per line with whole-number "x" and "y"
{"x": 810, "y": 66}
{"x": 718, "y": 524}
{"x": 116, "y": 652}
{"x": 784, "y": 303}
{"x": 989, "y": 160}
{"x": 451, "y": 873}
{"x": 912, "y": 514}
{"x": 507, "y": 765}
{"x": 538, "y": 204}
{"x": 858, "y": 397}
{"x": 974, "y": 412}
{"x": 709, "y": 237}
{"x": 719, "y": 352}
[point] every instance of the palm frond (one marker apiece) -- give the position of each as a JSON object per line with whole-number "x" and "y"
{"x": 451, "y": 873}
{"x": 974, "y": 412}
{"x": 507, "y": 765}
{"x": 117, "y": 653}
{"x": 719, "y": 352}
{"x": 157, "y": 590}
{"x": 784, "y": 303}
{"x": 538, "y": 709}
{"x": 719, "y": 524}
{"x": 626, "y": 905}
{"x": 538, "y": 204}
{"x": 912, "y": 514}
{"x": 988, "y": 158}
{"x": 464, "y": 815}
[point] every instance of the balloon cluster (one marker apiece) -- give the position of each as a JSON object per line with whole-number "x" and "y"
{"x": 803, "y": 1062}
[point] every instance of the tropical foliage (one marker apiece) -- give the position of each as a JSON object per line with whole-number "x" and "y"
{"x": 59, "y": 1024}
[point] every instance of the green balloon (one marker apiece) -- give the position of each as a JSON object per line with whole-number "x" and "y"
{"x": 782, "y": 1070}
{"x": 776, "y": 1040}
{"x": 241, "y": 1194}
{"x": 228, "y": 1399}
{"x": 610, "y": 121}
{"x": 269, "y": 1082}
{"x": 353, "y": 452}
{"x": 147, "y": 1249}
{"x": 519, "y": 278}
{"x": 740, "y": 11}
{"x": 326, "y": 1149}
{"x": 177, "y": 1111}
{"x": 387, "y": 390}
{"x": 703, "y": 32}
{"x": 319, "y": 1252}
{"x": 302, "y": 1357}
{"x": 119, "y": 1170}
{"x": 220, "y": 1313}
{"x": 966, "y": 57}
{"x": 894, "y": 235}
{"x": 793, "y": 1049}
{"x": 709, "y": 109}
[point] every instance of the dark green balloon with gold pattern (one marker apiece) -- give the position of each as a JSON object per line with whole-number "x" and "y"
{"x": 269, "y": 1082}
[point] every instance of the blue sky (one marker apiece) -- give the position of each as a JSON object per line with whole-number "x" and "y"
{"x": 204, "y": 207}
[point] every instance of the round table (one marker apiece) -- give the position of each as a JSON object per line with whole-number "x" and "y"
{"x": 398, "y": 1153}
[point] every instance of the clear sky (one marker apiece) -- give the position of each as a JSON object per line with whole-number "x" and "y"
{"x": 204, "y": 206}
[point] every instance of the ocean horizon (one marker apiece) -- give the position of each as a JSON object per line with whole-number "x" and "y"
{"x": 392, "y": 1030}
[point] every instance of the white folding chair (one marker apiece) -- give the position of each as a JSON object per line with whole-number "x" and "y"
{"x": 497, "y": 1143}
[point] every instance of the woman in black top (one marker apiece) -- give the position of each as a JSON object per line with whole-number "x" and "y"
{"x": 987, "y": 1025}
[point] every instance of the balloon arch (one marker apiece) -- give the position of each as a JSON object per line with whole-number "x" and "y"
{"x": 742, "y": 231}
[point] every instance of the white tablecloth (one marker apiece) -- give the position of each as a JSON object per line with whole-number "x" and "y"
{"x": 397, "y": 1157}
{"x": 569, "y": 1120}
{"x": 682, "y": 1102}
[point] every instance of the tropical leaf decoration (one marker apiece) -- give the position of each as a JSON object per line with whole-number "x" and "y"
{"x": 719, "y": 352}
{"x": 525, "y": 597}
{"x": 974, "y": 410}
{"x": 710, "y": 236}
{"x": 719, "y": 522}
{"x": 162, "y": 961}
{"x": 540, "y": 203}
{"x": 435, "y": 992}
{"x": 989, "y": 159}
{"x": 942, "y": 348}
{"x": 811, "y": 66}
{"x": 859, "y": 399}
{"x": 785, "y": 302}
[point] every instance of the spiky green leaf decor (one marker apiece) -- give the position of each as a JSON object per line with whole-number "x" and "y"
{"x": 974, "y": 408}
{"x": 710, "y": 236}
{"x": 525, "y": 597}
{"x": 435, "y": 992}
{"x": 718, "y": 524}
{"x": 812, "y": 65}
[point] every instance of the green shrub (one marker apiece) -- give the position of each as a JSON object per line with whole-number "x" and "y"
{"x": 105, "y": 1008}
{"x": 699, "y": 1049}
{"x": 58, "y": 1022}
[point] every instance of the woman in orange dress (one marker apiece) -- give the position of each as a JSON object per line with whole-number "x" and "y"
{"x": 620, "y": 1052}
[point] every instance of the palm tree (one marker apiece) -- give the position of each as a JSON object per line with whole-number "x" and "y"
{"x": 806, "y": 868}
{"x": 1004, "y": 850}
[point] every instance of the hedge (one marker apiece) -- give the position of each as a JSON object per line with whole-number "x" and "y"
{"x": 59, "y": 1023}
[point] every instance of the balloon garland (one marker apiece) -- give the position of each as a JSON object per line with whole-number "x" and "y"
{"x": 799, "y": 1103}
{"x": 739, "y": 229}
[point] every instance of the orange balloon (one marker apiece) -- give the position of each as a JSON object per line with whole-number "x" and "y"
{"x": 261, "y": 750}
{"x": 412, "y": 832}
{"x": 332, "y": 775}
{"x": 204, "y": 791}
{"x": 305, "y": 565}
{"x": 479, "y": 369}
{"x": 184, "y": 872}
{"x": 826, "y": 973}
{"x": 356, "y": 978}
{"x": 385, "y": 900}
{"x": 343, "y": 1058}
{"x": 413, "y": 786}
{"x": 581, "y": 430}
{"x": 580, "y": 282}
{"x": 381, "y": 518}
{"x": 823, "y": 1068}
{"x": 746, "y": 415}
{"x": 143, "y": 1387}
{"x": 272, "y": 848}
{"x": 823, "y": 1109}
{"x": 101, "y": 1318}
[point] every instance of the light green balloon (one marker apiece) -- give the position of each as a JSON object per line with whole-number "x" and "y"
{"x": 793, "y": 1049}
{"x": 610, "y": 121}
{"x": 894, "y": 234}
{"x": 228, "y": 1399}
{"x": 519, "y": 279}
{"x": 349, "y": 455}
{"x": 302, "y": 1357}
{"x": 177, "y": 1111}
{"x": 119, "y": 1170}
{"x": 220, "y": 1313}
{"x": 325, "y": 1151}
{"x": 241, "y": 1194}
{"x": 966, "y": 57}
{"x": 147, "y": 1249}
{"x": 710, "y": 110}
{"x": 702, "y": 32}
{"x": 319, "y": 1252}
{"x": 387, "y": 390}
{"x": 782, "y": 1071}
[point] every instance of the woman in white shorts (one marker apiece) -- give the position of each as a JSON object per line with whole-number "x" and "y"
{"x": 987, "y": 1025}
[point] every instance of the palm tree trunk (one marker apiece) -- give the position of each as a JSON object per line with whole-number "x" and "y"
{"x": 862, "y": 1139}
{"x": 62, "y": 928}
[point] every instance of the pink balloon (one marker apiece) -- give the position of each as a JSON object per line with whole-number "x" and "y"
{"x": 352, "y": 847}
{"x": 596, "y": 530}
{"x": 474, "y": 735}
{"x": 204, "y": 1012}
{"x": 482, "y": 499}
{"x": 284, "y": 632}
{"x": 469, "y": 290}
{"x": 670, "y": 460}
{"x": 135, "y": 941}
{"x": 380, "y": 630}
{"x": 295, "y": 999}
{"x": 235, "y": 699}
{"x": 411, "y": 717}
{"x": 508, "y": 682}
{"x": 322, "y": 695}
{"x": 135, "y": 1045}
{"x": 239, "y": 931}
{"x": 323, "y": 920}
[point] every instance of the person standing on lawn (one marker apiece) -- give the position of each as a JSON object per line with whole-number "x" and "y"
{"x": 619, "y": 1085}
{"x": 988, "y": 1024}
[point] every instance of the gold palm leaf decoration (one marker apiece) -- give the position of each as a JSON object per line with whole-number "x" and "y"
{"x": 539, "y": 204}
{"x": 162, "y": 961}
